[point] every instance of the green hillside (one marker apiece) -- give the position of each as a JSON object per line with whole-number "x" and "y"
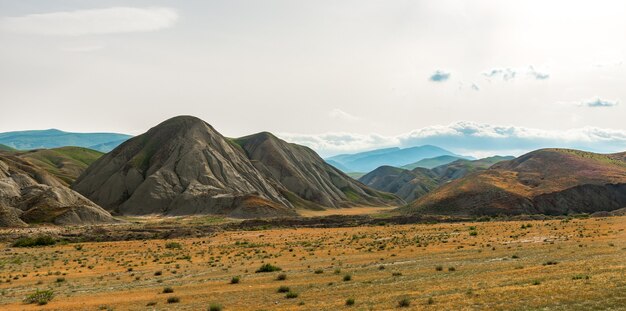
{"x": 66, "y": 163}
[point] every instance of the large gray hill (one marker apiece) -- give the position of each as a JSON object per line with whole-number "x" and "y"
{"x": 183, "y": 167}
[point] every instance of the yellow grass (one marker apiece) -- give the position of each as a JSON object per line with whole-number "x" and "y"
{"x": 486, "y": 276}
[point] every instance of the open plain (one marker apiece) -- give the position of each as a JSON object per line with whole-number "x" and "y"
{"x": 557, "y": 264}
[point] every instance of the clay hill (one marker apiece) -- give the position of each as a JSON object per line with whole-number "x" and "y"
{"x": 183, "y": 166}
{"x": 547, "y": 181}
{"x": 410, "y": 185}
{"x": 28, "y": 194}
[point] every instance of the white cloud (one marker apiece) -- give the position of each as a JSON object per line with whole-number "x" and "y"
{"x": 508, "y": 74}
{"x": 504, "y": 74}
{"x": 599, "y": 103}
{"x": 342, "y": 115}
{"x": 470, "y": 138}
{"x": 91, "y": 22}
{"x": 536, "y": 74}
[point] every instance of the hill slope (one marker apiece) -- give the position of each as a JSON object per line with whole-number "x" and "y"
{"x": 302, "y": 172}
{"x": 182, "y": 166}
{"x": 406, "y": 184}
{"x": 370, "y": 160}
{"x": 29, "y": 194}
{"x": 410, "y": 185}
{"x": 66, "y": 163}
{"x": 547, "y": 181}
{"x": 38, "y": 139}
{"x": 6, "y": 148}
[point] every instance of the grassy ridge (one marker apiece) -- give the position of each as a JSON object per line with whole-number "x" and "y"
{"x": 66, "y": 163}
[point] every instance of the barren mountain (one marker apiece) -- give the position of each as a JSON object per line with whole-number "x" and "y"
{"x": 28, "y": 194}
{"x": 547, "y": 181}
{"x": 302, "y": 172}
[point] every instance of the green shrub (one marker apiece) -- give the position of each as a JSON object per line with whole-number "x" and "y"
{"x": 215, "y": 307}
{"x": 281, "y": 277}
{"x": 235, "y": 280}
{"x": 350, "y": 302}
{"x": 291, "y": 295}
{"x": 404, "y": 303}
{"x": 40, "y": 297}
{"x": 347, "y": 277}
{"x": 580, "y": 277}
{"x": 168, "y": 290}
{"x": 283, "y": 289}
{"x": 173, "y": 300}
{"x": 268, "y": 268}
{"x": 319, "y": 271}
{"x": 42, "y": 240}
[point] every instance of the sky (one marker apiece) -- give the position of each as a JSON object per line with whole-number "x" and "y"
{"x": 476, "y": 77}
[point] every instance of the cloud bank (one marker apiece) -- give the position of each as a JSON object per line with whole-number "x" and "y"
{"x": 470, "y": 138}
{"x": 91, "y": 22}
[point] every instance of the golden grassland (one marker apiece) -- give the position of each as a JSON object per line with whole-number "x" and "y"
{"x": 575, "y": 264}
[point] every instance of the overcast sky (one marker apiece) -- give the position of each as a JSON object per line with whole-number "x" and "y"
{"x": 480, "y": 77}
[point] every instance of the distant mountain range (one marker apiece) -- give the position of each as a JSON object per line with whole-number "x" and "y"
{"x": 398, "y": 157}
{"x": 38, "y": 139}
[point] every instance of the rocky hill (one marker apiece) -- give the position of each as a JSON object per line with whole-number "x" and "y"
{"x": 28, "y": 194}
{"x": 302, "y": 172}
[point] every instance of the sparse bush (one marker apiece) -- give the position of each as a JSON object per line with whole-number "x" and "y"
{"x": 350, "y": 302}
{"x": 550, "y": 263}
{"x": 281, "y": 277}
{"x": 283, "y": 289}
{"x": 536, "y": 282}
{"x": 268, "y": 268}
{"x": 451, "y": 269}
{"x": 60, "y": 280}
{"x": 173, "y": 245}
{"x": 215, "y": 307}
{"x": 319, "y": 271}
{"x": 291, "y": 295}
{"x": 40, "y": 297}
{"x": 168, "y": 290}
{"x": 439, "y": 268}
{"x": 157, "y": 273}
{"x": 473, "y": 233}
{"x": 430, "y": 300}
{"x": 173, "y": 300}
{"x": 235, "y": 280}
{"x": 404, "y": 303}
{"x": 580, "y": 277}
{"x": 396, "y": 274}
{"x": 42, "y": 240}
{"x": 347, "y": 277}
